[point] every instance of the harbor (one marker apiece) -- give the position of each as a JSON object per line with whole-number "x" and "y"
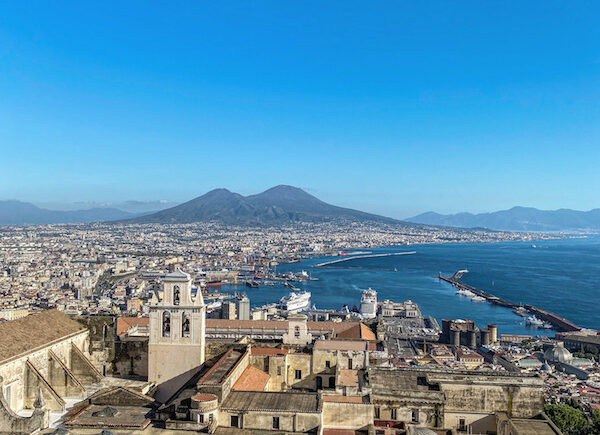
{"x": 538, "y": 316}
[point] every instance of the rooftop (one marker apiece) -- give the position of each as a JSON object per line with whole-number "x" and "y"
{"x": 252, "y": 379}
{"x": 35, "y": 331}
{"x": 271, "y": 401}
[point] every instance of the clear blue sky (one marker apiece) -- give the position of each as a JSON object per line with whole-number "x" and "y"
{"x": 390, "y": 107}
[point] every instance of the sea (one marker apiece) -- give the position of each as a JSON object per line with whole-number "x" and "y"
{"x": 559, "y": 275}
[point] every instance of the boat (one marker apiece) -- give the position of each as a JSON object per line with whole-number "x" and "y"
{"x": 368, "y": 304}
{"x": 463, "y": 292}
{"x": 478, "y": 299}
{"x": 520, "y": 311}
{"x": 534, "y": 321}
{"x": 252, "y": 283}
{"x": 295, "y": 302}
{"x": 291, "y": 286}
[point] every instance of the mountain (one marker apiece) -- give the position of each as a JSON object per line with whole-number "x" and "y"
{"x": 14, "y": 212}
{"x": 280, "y": 204}
{"x": 517, "y": 219}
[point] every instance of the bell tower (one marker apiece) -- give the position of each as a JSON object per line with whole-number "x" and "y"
{"x": 177, "y": 330}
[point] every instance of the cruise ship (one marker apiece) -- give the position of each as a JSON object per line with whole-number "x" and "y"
{"x": 295, "y": 302}
{"x": 368, "y": 304}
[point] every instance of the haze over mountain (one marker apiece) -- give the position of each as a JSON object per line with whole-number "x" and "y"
{"x": 517, "y": 219}
{"x": 279, "y": 204}
{"x": 130, "y": 206}
{"x": 13, "y": 212}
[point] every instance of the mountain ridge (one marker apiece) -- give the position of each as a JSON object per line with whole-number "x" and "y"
{"x": 517, "y": 218}
{"x": 14, "y": 212}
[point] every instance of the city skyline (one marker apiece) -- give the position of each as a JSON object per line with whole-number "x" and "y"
{"x": 394, "y": 111}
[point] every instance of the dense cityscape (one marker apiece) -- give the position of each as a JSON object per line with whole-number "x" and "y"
{"x": 107, "y": 282}
{"x": 283, "y": 218}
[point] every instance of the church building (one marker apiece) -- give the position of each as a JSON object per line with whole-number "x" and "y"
{"x": 177, "y": 334}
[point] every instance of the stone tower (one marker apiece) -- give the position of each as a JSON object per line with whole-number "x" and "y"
{"x": 177, "y": 331}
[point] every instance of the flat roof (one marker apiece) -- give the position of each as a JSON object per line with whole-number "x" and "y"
{"x": 271, "y": 401}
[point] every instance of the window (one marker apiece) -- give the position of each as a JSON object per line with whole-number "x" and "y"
{"x": 166, "y": 324}
{"x": 319, "y": 382}
{"x": 415, "y": 415}
{"x": 332, "y": 382}
{"x": 462, "y": 424}
{"x": 297, "y": 331}
{"x": 350, "y": 363}
{"x": 7, "y": 394}
{"x": 210, "y": 418}
{"x": 327, "y": 364}
{"x": 235, "y": 421}
{"x": 377, "y": 412}
{"x": 185, "y": 325}
{"x": 278, "y": 370}
{"x": 275, "y": 422}
{"x": 393, "y": 414}
{"x": 176, "y": 295}
{"x": 298, "y": 374}
{"x": 421, "y": 380}
{"x": 200, "y": 418}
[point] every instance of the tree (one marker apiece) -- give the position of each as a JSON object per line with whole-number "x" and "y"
{"x": 595, "y": 426}
{"x": 571, "y": 421}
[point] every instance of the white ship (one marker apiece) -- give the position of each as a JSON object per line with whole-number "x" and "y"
{"x": 478, "y": 299}
{"x": 368, "y": 304}
{"x": 467, "y": 293}
{"x": 295, "y": 302}
{"x": 534, "y": 321}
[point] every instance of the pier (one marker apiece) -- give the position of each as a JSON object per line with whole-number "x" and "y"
{"x": 332, "y": 263}
{"x": 557, "y": 322}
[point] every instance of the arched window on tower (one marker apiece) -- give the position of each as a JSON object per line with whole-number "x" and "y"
{"x": 185, "y": 325}
{"x": 166, "y": 324}
{"x": 176, "y": 295}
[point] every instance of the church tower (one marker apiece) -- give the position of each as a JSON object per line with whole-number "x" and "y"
{"x": 177, "y": 331}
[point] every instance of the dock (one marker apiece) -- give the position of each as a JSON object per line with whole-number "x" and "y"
{"x": 341, "y": 260}
{"x": 556, "y": 321}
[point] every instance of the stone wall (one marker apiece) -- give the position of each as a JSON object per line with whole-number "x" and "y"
{"x": 262, "y": 420}
{"x": 347, "y": 415}
{"x": 14, "y": 372}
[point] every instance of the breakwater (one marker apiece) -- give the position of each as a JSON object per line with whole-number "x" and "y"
{"x": 557, "y": 322}
{"x": 339, "y": 262}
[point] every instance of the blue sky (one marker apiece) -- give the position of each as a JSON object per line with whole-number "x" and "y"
{"x": 390, "y": 107}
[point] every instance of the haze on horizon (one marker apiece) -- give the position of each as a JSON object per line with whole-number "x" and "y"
{"x": 398, "y": 110}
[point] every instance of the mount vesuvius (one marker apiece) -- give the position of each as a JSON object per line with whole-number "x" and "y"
{"x": 280, "y": 204}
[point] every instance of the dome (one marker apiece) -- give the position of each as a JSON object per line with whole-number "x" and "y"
{"x": 546, "y": 367}
{"x": 558, "y": 353}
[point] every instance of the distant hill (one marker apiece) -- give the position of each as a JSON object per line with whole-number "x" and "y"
{"x": 14, "y": 212}
{"x": 517, "y": 219}
{"x": 280, "y": 204}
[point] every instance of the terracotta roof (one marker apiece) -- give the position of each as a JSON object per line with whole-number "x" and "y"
{"x": 268, "y": 351}
{"x": 357, "y": 331}
{"x": 252, "y": 379}
{"x": 124, "y": 324}
{"x": 348, "y": 378}
{"x": 340, "y": 345}
{"x": 35, "y": 331}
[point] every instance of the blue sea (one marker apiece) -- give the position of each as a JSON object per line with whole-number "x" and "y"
{"x": 561, "y": 276}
